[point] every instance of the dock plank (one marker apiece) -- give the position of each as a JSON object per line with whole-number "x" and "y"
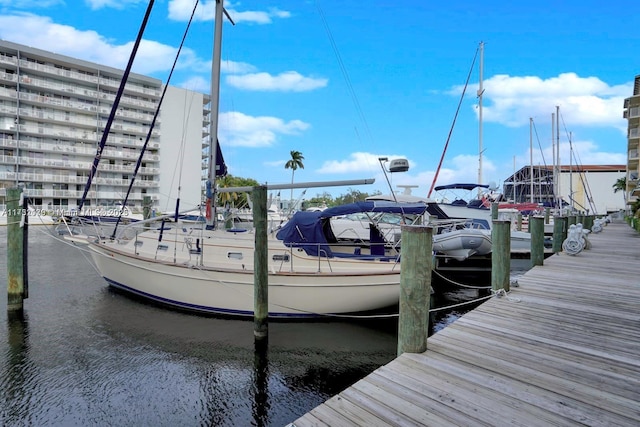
{"x": 562, "y": 348}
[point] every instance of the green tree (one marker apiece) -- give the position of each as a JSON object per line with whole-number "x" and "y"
{"x": 236, "y": 199}
{"x": 324, "y": 199}
{"x": 353, "y": 196}
{"x": 294, "y": 163}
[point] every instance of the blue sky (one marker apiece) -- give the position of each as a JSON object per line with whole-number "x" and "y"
{"x": 347, "y": 82}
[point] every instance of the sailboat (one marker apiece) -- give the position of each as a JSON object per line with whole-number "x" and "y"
{"x": 210, "y": 270}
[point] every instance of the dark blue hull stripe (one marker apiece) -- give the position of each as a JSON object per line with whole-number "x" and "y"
{"x": 202, "y": 308}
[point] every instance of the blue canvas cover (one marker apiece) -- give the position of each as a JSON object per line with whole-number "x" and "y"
{"x": 312, "y": 232}
{"x": 468, "y": 187}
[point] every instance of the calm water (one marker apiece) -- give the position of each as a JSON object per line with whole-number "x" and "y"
{"x": 85, "y": 355}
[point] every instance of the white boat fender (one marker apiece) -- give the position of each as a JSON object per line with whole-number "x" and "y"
{"x": 575, "y": 241}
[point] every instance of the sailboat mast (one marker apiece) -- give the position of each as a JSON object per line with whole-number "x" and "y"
{"x": 215, "y": 108}
{"x": 480, "y": 93}
{"x": 571, "y": 170}
{"x": 553, "y": 155}
{"x": 531, "y": 159}
{"x": 558, "y": 192}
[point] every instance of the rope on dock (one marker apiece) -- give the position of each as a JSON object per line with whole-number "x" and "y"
{"x": 458, "y": 283}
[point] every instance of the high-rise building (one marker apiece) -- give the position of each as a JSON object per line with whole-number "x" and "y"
{"x": 632, "y": 114}
{"x": 53, "y": 112}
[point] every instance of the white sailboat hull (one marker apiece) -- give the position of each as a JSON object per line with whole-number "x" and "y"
{"x": 225, "y": 286}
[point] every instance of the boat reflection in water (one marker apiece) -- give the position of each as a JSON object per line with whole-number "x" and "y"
{"x": 84, "y": 354}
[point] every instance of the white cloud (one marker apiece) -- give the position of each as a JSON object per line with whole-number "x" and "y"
{"x": 41, "y": 32}
{"x": 180, "y": 10}
{"x": 241, "y": 130}
{"x": 197, "y": 84}
{"x": 583, "y": 101}
{"x": 287, "y": 81}
{"x": 233, "y": 67}
{"x": 357, "y": 162}
{"x": 585, "y": 152}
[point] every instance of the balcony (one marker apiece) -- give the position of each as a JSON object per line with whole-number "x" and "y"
{"x": 56, "y": 71}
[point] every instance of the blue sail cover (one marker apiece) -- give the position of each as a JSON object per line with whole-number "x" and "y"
{"x": 468, "y": 187}
{"x": 312, "y": 232}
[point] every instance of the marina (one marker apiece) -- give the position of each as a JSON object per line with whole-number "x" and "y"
{"x": 84, "y": 354}
{"x": 560, "y": 349}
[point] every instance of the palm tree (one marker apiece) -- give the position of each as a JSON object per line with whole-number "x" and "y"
{"x": 294, "y": 163}
{"x": 621, "y": 185}
{"x": 224, "y": 198}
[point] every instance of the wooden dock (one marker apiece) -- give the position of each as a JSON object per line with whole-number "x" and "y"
{"x": 562, "y": 349}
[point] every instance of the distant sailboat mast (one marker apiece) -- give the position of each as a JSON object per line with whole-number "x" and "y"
{"x": 558, "y": 192}
{"x": 553, "y": 155}
{"x": 480, "y": 93}
{"x": 531, "y": 197}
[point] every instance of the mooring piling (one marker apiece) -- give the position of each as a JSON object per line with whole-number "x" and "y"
{"x": 415, "y": 288}
{"x": 260, "y": 264}
{"x": 536, "y": 226}
{"x": 17, "y": 285}
{"x": 500, "y": 254}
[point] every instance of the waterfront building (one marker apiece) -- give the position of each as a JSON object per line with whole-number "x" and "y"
{"x": 53, "y": 111}
{"x": 631, "y": 112}
{"x": 586, "y": 188}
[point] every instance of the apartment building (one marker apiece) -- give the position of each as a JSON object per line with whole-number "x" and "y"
{"x": 631, "y": 112}
{"x": 53, "y": 112}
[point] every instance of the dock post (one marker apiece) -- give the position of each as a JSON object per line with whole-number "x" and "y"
{"x": 500, "y": 254}
{"x": 16, "y": 291}
{"x": 260, "y": 264}
{"x": 494, "y": 210}
{"x": 536, "y": 225}
{"x": 416, "y": 264}
{"x": 565, "y": 227}
{"x": 547, "y": 212}
{"x": 571, "y": 220}
{"x": 588, "y": 222}
{"x": 146, "y": 210}
{"x": 519, "y": 223}
{"x": 558, "y": 233}
{"x": 146, "y": 207}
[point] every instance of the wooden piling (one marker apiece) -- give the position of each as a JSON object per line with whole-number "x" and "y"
{"x": 415, "y": 288}
{"x": 494, "y": 210}
{"x": 565, "y": 228}
{"x": 536, "y": 227}
{"x": 588, "y": 222}
{"x": 500, "y": 254}
{"x": 146, "y": 210}
{"x": 146, "y": 207}
{"x": 547, "y": 213}
{"x": 572, "y": 220}
{"x": 558, "y": 232}
{"x": 15, "y": 251}
{"x": 260, "y": 264}
{"x": 519, "y": 223}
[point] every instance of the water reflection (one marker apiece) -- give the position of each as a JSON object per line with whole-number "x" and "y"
{"x": 260, "y": 404}
{"x": 14, "y": 387}
{"x": 89, "y": 355}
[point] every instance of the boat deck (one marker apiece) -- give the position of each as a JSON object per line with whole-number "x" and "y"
{"x": 563, "y": 348}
